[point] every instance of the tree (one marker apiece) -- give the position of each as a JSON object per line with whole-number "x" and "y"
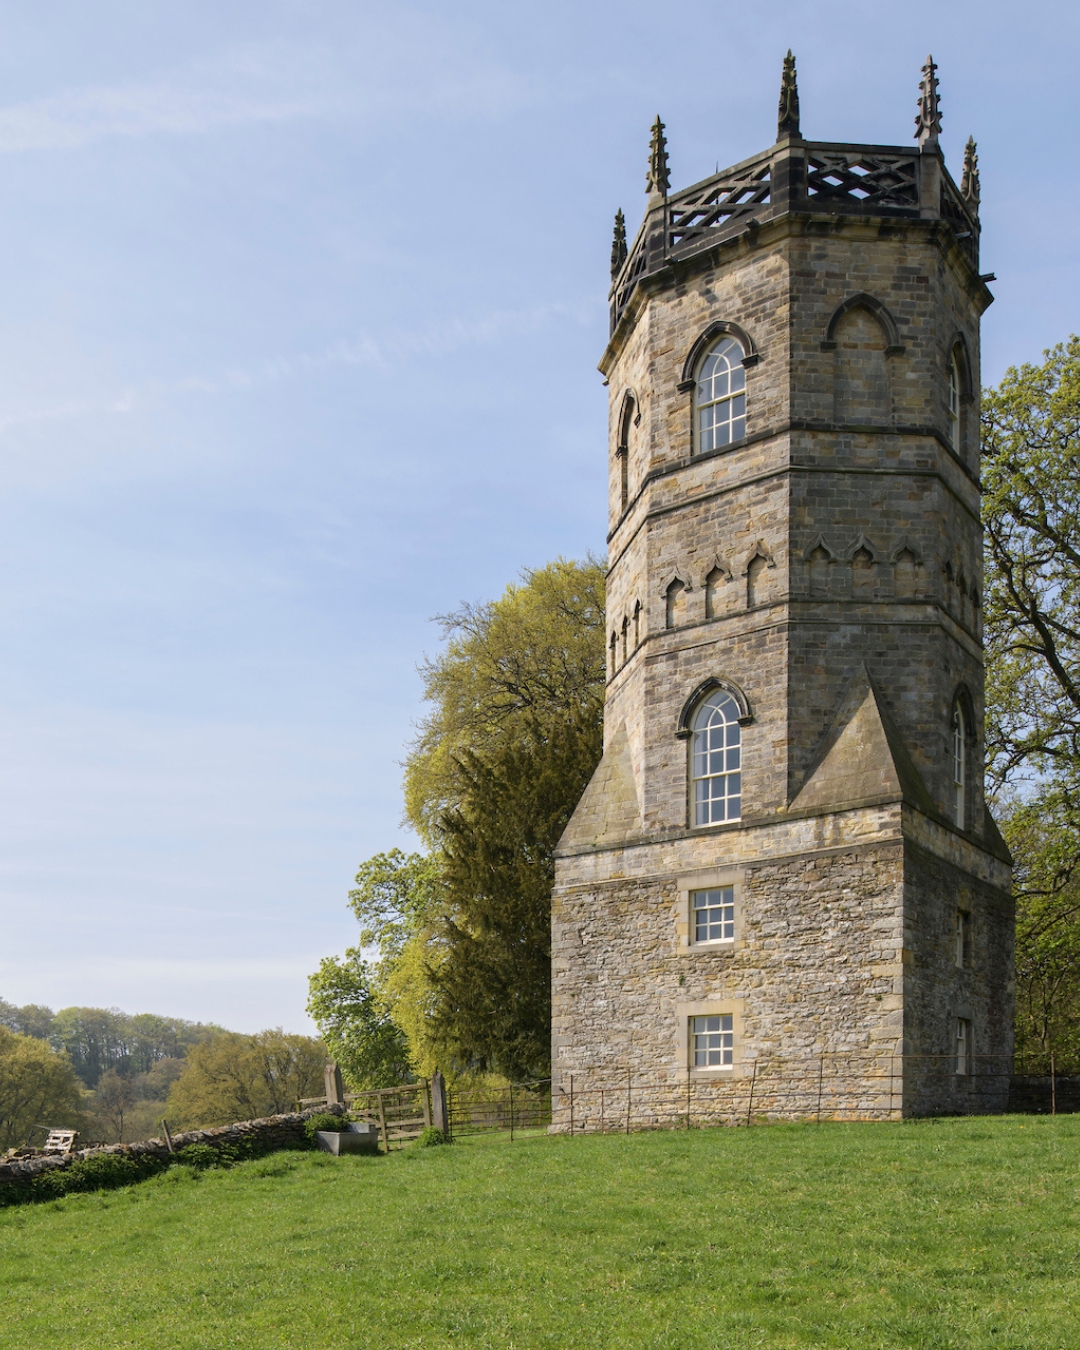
{"x": 234, "y": 1077}
{"x": 493, "y": 988}
{"x": 462, "y": 959}
{"x": 515, "y": 732}
{"x": 32, "y": 1019}
{"x": 359, "y": 1032}
{"x": 529, "y": 661}
{"x": 114, "y": 1099}
{"x": 1031, "y": 505}
{"x": 1045, "y": 847}
{"x": 38, "y": 1090}
{"x": 1031, "y": 512}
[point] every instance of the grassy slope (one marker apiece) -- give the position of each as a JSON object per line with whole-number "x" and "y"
{"x": 959, "y": 1233}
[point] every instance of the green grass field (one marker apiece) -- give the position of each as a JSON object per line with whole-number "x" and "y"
{"x": 958, "y": 1233}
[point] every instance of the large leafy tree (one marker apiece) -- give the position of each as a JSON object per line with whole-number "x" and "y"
{"x": 38, "y": 1090}
{"x": 235, "y": 1077}
{"x": 514, "y": 733}
{"x": 1031, "y": 480}
{"x": 457, "y": 940}
{"x": 492, "y": 1007}
{"x": 512, "y": 670}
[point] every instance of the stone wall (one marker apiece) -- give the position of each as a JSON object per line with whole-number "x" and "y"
{"x": 265, "y": 1135}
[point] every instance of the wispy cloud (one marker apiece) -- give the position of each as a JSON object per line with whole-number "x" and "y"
{"x": 377, "y": 352}
{"x": 193, "y": 101}
{"x": 398, "y": 67}
{"x": 391, "y": 349}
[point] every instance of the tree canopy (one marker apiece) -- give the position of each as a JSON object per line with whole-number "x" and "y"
{"x": 235, "y": 1077}
{"x": 38, "y": 1090}
{"x": 1031, "y": 511}
{"x": 459, "y": 937}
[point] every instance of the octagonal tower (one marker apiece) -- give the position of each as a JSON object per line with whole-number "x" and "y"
{"x": 783, "y": 878}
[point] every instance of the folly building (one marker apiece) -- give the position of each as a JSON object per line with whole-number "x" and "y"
{"x": 784, "y": 869}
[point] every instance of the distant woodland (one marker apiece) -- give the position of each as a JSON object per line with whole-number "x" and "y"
{"x": 114, "y": 1075}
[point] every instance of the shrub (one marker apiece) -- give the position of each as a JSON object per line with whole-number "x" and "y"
{"x": 325, "y": 1120}
{"x": 201, "y": 1156}
{"x": 429, "y": 1137}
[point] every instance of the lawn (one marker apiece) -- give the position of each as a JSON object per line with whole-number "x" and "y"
{"x": 953, "y": 1233}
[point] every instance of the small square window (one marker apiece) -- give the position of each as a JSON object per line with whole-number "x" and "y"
{"x": 712, "y": 1041}
{"x": 713, "y": 914}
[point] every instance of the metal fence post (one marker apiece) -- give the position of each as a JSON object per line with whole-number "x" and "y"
{"x": 750, "y": 1101}
{"x": 511, "y": 1113}
{"x": 571, "y": 1103}
{"x": 628, "y": 1073}
{"x": 820, "y": 1076}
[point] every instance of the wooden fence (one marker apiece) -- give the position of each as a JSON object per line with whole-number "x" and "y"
{"x": 400, "y": 1113}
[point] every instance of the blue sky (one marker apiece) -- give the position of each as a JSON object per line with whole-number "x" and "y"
{"x": 301, "y": 308}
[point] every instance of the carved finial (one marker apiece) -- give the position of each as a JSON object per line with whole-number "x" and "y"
{"x": 787, "y": 122}
{"x": 969, "y": 184}
{"x": 618, "y": 244}
{"x": 658, "y": 180}
{"x": 928, "y": 118}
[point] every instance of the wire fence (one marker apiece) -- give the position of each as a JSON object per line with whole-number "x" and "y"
{"x": 839, "y": 1085}
{"x": 832, "y": 1086}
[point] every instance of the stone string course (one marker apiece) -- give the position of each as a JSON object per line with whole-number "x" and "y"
{"x": 268, "y": 1134}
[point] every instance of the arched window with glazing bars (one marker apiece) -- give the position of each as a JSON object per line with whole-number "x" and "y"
{"x": 716, "y": 761}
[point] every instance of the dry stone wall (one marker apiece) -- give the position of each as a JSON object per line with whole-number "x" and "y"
{"x": 247, "y": 1137}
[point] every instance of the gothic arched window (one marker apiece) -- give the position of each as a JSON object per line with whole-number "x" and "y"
{"x": 954, "y": 402}
{"x": 959, "y": 767}
{"x": 716, "y": 760}
{"x": 720, "y": 396}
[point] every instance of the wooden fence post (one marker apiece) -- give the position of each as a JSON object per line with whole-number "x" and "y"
{"x": 440, "y": 1116}
{"x": 425, "y": 1101}
{"x": 382, "y": 1124}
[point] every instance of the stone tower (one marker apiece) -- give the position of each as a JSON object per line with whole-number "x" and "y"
{"x": 784, "y": 872}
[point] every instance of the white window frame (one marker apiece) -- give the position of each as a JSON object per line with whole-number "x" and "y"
{"x": 963, "y": 939}
{"x": 702, "y": 752}
{"x": 720, "y": 396}
{"x": 962, "y": 1058}
{"x": 724, "y": 906}
{"x": 954, "y": 402}
{"x": 717, "y": 1033}
{"x": 959, "y": 767}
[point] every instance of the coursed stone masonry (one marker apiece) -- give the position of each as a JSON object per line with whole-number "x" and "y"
{"x": 826, "y": 567}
